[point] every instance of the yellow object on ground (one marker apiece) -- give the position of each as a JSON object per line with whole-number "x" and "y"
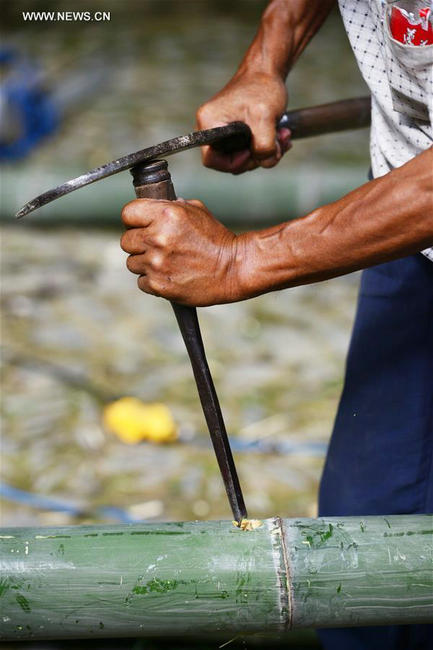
{"x": 132, "y": 421}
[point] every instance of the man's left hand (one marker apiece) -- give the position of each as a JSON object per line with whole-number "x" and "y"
{"x": 180, "y": 251}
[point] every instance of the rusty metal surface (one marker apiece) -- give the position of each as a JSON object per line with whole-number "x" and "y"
{"x": 190, "y": 329}
{"x": 154, "y": 181}
{"x": 307, "y": 122}
{"x": 181, "y": 143}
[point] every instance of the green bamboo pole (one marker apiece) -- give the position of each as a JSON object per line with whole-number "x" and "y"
{"x": 209, "y": 577}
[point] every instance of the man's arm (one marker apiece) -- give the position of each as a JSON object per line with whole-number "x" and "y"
{"x": 257, "y": 94}
{"x": 384, "y": 219}
{"x": 183, "y": 253}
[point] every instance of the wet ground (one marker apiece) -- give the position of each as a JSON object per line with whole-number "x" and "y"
{"x": 77, "y": 333}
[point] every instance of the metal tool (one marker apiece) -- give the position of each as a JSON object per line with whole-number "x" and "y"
{"x": 152, "y": 179}
{"x": 304, "y": 123}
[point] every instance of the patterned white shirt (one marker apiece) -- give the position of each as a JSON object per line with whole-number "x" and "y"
{"x": 400, "y": 78}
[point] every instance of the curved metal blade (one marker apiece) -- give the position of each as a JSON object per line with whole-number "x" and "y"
{"x": 220, "y": 134}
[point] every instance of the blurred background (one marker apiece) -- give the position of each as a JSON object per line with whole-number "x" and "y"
{"x": 77, "y": 335}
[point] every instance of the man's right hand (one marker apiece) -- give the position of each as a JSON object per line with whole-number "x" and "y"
{"x": 259, "y": 100}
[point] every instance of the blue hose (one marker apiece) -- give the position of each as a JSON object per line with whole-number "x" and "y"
{"x": 40, "y": 502}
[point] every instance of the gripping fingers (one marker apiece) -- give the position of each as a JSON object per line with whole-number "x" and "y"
{"x": 232, "y": 163}
{"x": 272, "y": 160}
{"x": 148, "y": 286}
{"x": 138, "y": 213}
{"x": 282, "y": 145}
{"x": 284, "y": 138}
{"x": 264, "y": 137}
{"x": 136, "y": 264}
{"x": 153, "y": 261}
{"x": 156, "y": 286}
{"x": 132, "y": 241}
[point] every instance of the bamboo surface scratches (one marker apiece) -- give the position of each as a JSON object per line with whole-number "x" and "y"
{"x": 352, "y": 571}
{"x": 200, "y": 578}
{"x": 184, "y": 578}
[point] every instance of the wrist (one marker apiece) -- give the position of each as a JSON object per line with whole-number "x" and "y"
{"x": 266, "y": 63}
{"x": 264, "y": 261}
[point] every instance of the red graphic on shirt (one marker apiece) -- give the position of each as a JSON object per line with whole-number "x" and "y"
{"x": 410, "y": 29}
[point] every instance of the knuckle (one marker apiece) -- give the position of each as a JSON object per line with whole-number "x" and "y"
{"x": 267, "y": 163}
{"x": 173, "y": 213}
{"x": 156, "y": 261}
{"x": 264, "y": 149}
{"x": 197, "y": 203}
{"x": 203, "y": 114}
{"x": 130, "y": 263}
{"x": 153, "y": 285}
{"x": 127, "y": 213}
{"x": 124, "y": 242}
{"x": 142, "y": 283}
{"x": 160, "y": 240}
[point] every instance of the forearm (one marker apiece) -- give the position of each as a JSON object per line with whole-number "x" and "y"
{"x": 257, "y": 94}
{"x": 382, "y": 220}
{"x": 285, "y": 29}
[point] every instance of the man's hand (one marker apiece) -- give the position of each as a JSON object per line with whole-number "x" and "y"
{"x": 258, "y": 100}
{"x": 257, "y": 93}
{"x": 180, "y": 251}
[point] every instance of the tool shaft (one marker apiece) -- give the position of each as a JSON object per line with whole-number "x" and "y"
{"x": 190, "y": 329}
{"x": 344, "y": 115}
{"x": 153, "y": 181}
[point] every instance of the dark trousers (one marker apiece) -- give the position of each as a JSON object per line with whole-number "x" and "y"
{"x": 380, "y": 458}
